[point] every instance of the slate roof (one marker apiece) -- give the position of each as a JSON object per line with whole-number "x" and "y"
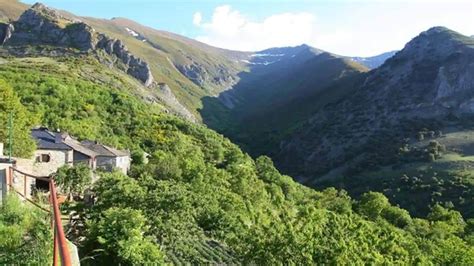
{"x": 102, "y": 150}
{"x": 77, "y": 146}
{"x": 46, "y": 140}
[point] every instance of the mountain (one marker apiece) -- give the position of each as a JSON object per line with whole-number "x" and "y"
{"x": 328, "y": 121}
{"x": 189, "y": 69}
{"x": 430, "y": 78}
{"x": 374, "y": 61}
{"x": 282, "y": 87}
{"x": 425, "y": 88}
{"x": 198, "y": 198}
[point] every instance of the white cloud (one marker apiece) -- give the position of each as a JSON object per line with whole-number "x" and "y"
{"x": 230, "y": 29}
{"x": 197, "y": 18}
{"x": 355, "y": 29}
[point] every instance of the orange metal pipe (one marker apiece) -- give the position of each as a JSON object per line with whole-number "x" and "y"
{"x": 55, "y": 248}
{"x": 58, "y": 228}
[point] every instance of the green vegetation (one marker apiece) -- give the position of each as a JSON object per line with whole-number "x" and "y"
{"x": 101, "y": 107}
{"x": 418, "y": 186}
{"x": 22, "y": 122}
{"x": 167, "y": 52}
{"x": 189, "y": 197}
{"x": 25, "y": 235}
{"x": 201, "y": 200}
{"x": 120, "y": 233}
{"x": 73, "y": 179}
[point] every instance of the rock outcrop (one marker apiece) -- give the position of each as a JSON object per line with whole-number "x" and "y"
{"x": 169, "y": 98}
{"x": 6, "y": 31}
{"x": 135, "y": 66}
{"x": 221, "y": 77}
{"x": 41, "y": 25}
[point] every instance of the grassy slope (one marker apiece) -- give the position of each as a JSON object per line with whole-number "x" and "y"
{"x": 11, "y": 10}
{"x": 162, "y": 51}
{"x": 44, "y": 84}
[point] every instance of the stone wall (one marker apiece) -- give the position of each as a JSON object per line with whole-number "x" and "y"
{"x": 109, "y": 163}
{"x": 33, "y": 167}
{"x": 123, "y": 163}
{"x": 57, "y": 159}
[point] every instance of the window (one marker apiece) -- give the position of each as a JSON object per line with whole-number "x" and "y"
{"x": 43, "y": 158}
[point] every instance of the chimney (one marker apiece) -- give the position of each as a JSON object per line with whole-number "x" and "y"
{"x": 60, "y": 137}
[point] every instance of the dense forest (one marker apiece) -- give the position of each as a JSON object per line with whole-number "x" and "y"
{"x": 199, "y": 199}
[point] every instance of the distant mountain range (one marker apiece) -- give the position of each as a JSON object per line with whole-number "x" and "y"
{"x": 374, "y": 61}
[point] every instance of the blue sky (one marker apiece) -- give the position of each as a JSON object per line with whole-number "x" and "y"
{"x": 361, "y": 28}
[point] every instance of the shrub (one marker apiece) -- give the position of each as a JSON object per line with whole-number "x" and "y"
{"x": 73, "y": 180}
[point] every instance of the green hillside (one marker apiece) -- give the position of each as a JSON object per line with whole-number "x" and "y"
{"x": 275, "y": 100}
{"x": 165, "y": 52}
{"x": 200, "y": 199}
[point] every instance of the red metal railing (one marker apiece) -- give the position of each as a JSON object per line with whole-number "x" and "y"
{"x": 59, "y": 238}
{"x": 60, "y": 245}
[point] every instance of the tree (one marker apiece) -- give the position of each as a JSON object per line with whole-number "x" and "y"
{"x": 138, "y": 157}
{"x": 120, "y": 232}
{"x": 23, "y": 144}
{"x": 371, "y": 204}
{"x": 73, "y": 180}
{"x": 396, "y": 216}
{"x": 266, "y": 170}
{"x": 450, "y": 221}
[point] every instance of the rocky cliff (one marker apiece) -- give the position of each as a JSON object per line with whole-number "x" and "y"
{"x": 44, "y": 26}
{"x": 201, "y": 76}
{"x": 135, "y": 66}
{"x": 6, "y": 31}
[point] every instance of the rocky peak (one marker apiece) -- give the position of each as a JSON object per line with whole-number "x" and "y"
{"x": 436, "y": 43}
{"x": 40, "y": 25}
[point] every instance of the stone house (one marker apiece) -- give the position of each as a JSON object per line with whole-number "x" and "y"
{"x": 47, "y": 158}
{"x": 54, "y": 150}
{"x": 92, "y": 153}
{"x": 50, "y": 154}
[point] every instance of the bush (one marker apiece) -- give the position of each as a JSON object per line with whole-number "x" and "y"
{"x": 23, "y": 144}
{"x": 371, "y": 204}
{"x": 25, "y": 234}
{"x": 396, "y": 216}
{"x": 121, "y": 234}
{"x": 73, "y": 180}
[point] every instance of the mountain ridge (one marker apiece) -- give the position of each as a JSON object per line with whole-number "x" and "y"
{"x": 415, "y": 53}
